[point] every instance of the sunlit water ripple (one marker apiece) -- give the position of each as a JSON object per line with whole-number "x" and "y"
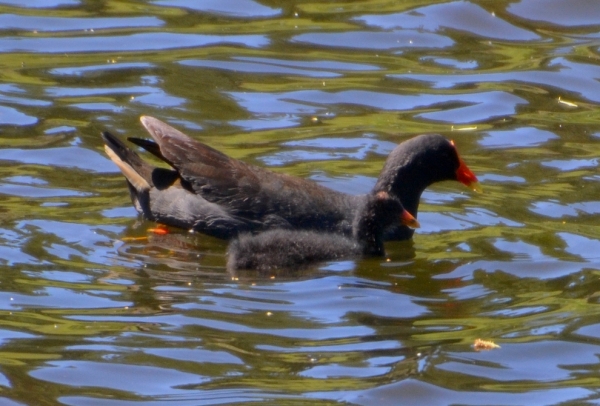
{"x": 96, "y": 310}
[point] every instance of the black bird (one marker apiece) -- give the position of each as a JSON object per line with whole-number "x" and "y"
{"x": 290, "y": 249}
{"x": 209, "y": 192}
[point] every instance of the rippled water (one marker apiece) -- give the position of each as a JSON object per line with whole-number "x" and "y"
{"x": 94, "y": 310}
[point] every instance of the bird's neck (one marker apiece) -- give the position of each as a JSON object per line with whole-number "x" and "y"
{"x": 407, "y": 185}
{"x": 368, "y": 232}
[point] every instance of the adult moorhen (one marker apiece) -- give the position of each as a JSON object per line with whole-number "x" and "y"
{"x": 208, "y": 191}
{"x": 289, "y": 249}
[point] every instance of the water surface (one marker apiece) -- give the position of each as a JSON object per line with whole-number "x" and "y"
{"x": 94, "y": 309}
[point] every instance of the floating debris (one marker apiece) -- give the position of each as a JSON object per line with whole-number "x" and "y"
{"x": 484, "y": 345}
{"x": 568, "y": 103}
{"x": 472, "y": 128}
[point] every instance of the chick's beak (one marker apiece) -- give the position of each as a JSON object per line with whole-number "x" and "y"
{"x": 408, "y": 220}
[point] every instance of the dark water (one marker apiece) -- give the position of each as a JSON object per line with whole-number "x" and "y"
{"x": 94, "y": 310}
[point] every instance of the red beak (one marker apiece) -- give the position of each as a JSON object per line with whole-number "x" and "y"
{"x": 465, "y": 176}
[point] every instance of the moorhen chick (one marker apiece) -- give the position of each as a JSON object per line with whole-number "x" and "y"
{"x": 289, "y": 249}
{"x": 209, "y": 192}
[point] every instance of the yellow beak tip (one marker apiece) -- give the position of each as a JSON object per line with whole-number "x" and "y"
{"x": 476, "y": 187}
